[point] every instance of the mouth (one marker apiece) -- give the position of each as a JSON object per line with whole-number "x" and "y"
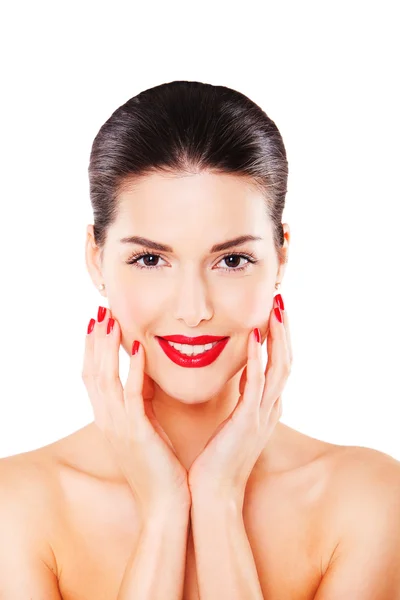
{"x": 199, "y": 340}
{"x": 193, "y": 354}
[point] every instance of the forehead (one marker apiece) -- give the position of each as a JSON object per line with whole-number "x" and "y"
{"x": 192, "y": 200}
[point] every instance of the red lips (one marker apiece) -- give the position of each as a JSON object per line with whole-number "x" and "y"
{"x": 193, "y": 341}
{"x": 199, "y": 360}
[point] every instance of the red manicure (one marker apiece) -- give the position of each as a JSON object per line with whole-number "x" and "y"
{"x": 135, "y": 347}
{"x": 279, "y": 300}
{"x": 101, "y": 313}
{"x": 110, "y": 325}
{"x": 257, "y": 334}
{"x": 91, "y": 325}
{"x": 278, "y": 314}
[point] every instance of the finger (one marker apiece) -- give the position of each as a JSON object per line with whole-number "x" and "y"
{"x": 99, "y": 332}
{"x": 91, "y": 374}
{"x": 93, "y": 348}
{"x": 216, "y": 432}
{"x": 123, "y": 402}
{"x": 278, "y": 365}
{"x": 107, "y": 337}
{"x": 133, "y": 397}
{"x": 106, "y": 356}
{"x": 149, "y": 410}
{"x": 249, "y": 402}
{"x": 88, "y": 370}
{"x": 281, "y": 304}
{"x": 288, "y": 336}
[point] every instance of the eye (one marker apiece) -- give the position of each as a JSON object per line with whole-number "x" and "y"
{"x": 152, "y": 260}
{"x": 134, "y": 260}
{"x": 249, "y": 257}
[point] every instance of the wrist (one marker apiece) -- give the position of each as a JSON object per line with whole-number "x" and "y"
{"x": 221, "y": 492}
{"x": 215, "y": 501}
{"x": 165, "y": 513}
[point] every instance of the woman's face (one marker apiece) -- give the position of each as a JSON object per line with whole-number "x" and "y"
{"x": 189, "y": 289}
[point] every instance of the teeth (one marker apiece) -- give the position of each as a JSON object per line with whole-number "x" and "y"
{"x": 190, "y": 350}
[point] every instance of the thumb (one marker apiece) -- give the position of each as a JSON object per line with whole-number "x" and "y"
{"x": 149, "y": 410}
{"x": 216, "y": 432}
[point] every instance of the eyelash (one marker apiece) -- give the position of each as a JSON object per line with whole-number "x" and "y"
{"x": 136, "y": 256}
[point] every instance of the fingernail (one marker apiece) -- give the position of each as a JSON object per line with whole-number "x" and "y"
{"x": 101, "y": 313}
{"x": 110, "y": 325}
{"x": 91, "y": 325}
{"x": 135, "y": 347}
{"x": 279, "y": 300}
{"x": 278, "y": 314}
{"x": 257, "y": 334}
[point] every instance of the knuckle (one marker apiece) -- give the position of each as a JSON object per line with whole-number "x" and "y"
{"x": 86, "y": 376}
{"x": 108, "y": 430}
{"x": 105, "y": 381}
{"x": 284, "y": 369}
{"x": 131, "y": 393}
{"x": 250, "y": 417}
{"x": 259, "y": 379}
{"x": 132, "y": 401}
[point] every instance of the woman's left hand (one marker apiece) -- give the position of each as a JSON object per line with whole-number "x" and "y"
{"x": 224, "y": 466}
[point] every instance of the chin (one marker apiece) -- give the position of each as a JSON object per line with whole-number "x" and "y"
{"x": 190, "y": 393}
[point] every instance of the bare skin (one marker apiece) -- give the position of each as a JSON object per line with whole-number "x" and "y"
{"x": 303, "y": 495}
{"x": 89, "y": 524}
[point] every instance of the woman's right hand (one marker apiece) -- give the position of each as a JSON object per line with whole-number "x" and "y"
{"x": 126, "y": 418}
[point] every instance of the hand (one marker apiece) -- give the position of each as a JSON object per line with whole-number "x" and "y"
{"x": 127, "y": 420}
{"x": 225, "y": 464}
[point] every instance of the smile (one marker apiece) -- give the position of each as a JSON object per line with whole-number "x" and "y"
{"x": 188, "y": 355}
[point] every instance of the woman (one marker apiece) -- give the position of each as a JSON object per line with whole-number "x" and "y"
{"x": 186, "y": 484}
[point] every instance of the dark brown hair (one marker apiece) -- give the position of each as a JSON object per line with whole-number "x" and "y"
{"x": 187, "y": 127}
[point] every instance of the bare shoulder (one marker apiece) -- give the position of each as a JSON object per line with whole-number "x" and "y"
{"x": 26, "y": 502}
{"x": 358, "y": 470}
{"x": 363, "y": 501}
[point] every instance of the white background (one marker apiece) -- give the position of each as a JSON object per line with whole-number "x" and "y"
{"x": 326, "y": 73}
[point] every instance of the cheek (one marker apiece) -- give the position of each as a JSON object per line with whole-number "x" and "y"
{"x": 249, "y": 305}
{"x": 130, "y": 309}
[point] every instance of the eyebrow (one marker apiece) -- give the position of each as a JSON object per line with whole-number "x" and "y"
{"x": 242, "y": 239}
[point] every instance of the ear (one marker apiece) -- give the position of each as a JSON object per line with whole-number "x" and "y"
{"x": 93, "y": 257}
{"x": 285, "y": 251}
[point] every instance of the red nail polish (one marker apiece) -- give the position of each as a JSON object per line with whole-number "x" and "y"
{"x": 101, "y": 313}
{"x": 278, "y": 314}
{"x": 91, "y": 325}
{"x": 110, "y": 325}
{"x": 279, "y": 300}
{"x": 257, "y": 334}
{"x": 135, "y": 347}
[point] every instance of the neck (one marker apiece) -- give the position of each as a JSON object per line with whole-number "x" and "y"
{"x": 190, "y": 426}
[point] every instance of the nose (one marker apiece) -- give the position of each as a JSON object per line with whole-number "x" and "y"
{"x": 192, "y": 302}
